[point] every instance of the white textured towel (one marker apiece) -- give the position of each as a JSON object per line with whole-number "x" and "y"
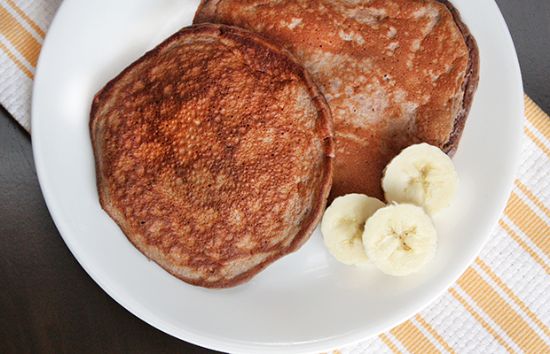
{"x": 23, "y": 24}
{"x": 500, "y": 304}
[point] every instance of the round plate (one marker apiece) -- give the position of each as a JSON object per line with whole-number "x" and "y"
{"x": 305, "y": 301}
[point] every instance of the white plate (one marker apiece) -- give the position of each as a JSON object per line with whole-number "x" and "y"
{"x": 305, "y": 301}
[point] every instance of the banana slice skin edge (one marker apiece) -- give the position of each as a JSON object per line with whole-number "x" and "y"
{"x": 400, "y": 239}
{"x": 342, "y": 227}
{"x": 422, "y": 175}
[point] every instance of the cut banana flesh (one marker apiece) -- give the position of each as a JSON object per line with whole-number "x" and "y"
{"x": 342, "y": 227}
{"x": 400, "y": 239}
{"x": 423, "y": 175}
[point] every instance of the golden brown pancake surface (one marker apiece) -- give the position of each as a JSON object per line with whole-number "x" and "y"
{"x": 213, "y": 154}
{"x": 395, "y": 72}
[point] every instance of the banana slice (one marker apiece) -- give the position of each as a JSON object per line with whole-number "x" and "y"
{"x": 423, "y": 175}
{"x": 400, "y": 239}
{"x": 342, "y": 227}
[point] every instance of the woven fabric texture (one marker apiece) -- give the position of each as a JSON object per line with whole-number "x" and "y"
{"x": 500, "y": 304}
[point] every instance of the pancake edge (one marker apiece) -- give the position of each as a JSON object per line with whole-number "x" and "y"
{"x": 324, "y": 125}
{"x": 469, "y": 84}
{"x": 471, "y": 80}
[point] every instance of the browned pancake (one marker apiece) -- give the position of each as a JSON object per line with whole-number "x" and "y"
{"x": 213, "y": 154}
{"x": 395, "y": 72}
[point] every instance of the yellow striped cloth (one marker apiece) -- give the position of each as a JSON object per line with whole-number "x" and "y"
{"x": 500, "y": 304}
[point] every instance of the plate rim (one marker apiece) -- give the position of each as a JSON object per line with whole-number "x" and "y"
{"x": 354, "y": 337}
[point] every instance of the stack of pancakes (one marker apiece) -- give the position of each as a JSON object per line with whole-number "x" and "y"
{"x": 215, "y": 152}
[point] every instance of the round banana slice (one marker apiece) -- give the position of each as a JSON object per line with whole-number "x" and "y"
{"x": 342, "y": 227}
{"x": 400, "y": 239}
{"x": 423, "y": 175}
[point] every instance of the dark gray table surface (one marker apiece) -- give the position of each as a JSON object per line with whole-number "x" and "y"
{"x": 48, "y": 304}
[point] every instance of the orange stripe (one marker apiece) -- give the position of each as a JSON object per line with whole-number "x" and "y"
{"x": 389, "y": 343}
{"x": 538, "y": 118}
{"x": 513, "y": 296}
{"x": 21, "y": 39}
{"x": 479, "y": 319}
{"x": 501, "y": 312}
{"x": 16, "y": 61}
{"x": 413, "y": 339}
{"x": 434, "y": 334}
{"x": 530, "y": 223}
{"x": 524, "y": 245}
{"x": 27, "y": 19}
{"x": 522, "y": 187}
{"x": 537, "y": 141}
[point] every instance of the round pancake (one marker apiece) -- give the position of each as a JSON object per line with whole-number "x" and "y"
{"x": 394, "y": 72}
{"x": 213, "y": 154}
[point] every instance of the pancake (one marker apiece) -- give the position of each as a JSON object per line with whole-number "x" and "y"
{"x": 213, "y": 154}
{"x": 394, "y": 72}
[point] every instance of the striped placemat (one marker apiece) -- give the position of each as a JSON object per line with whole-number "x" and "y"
{"x": 500, "y": 304}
